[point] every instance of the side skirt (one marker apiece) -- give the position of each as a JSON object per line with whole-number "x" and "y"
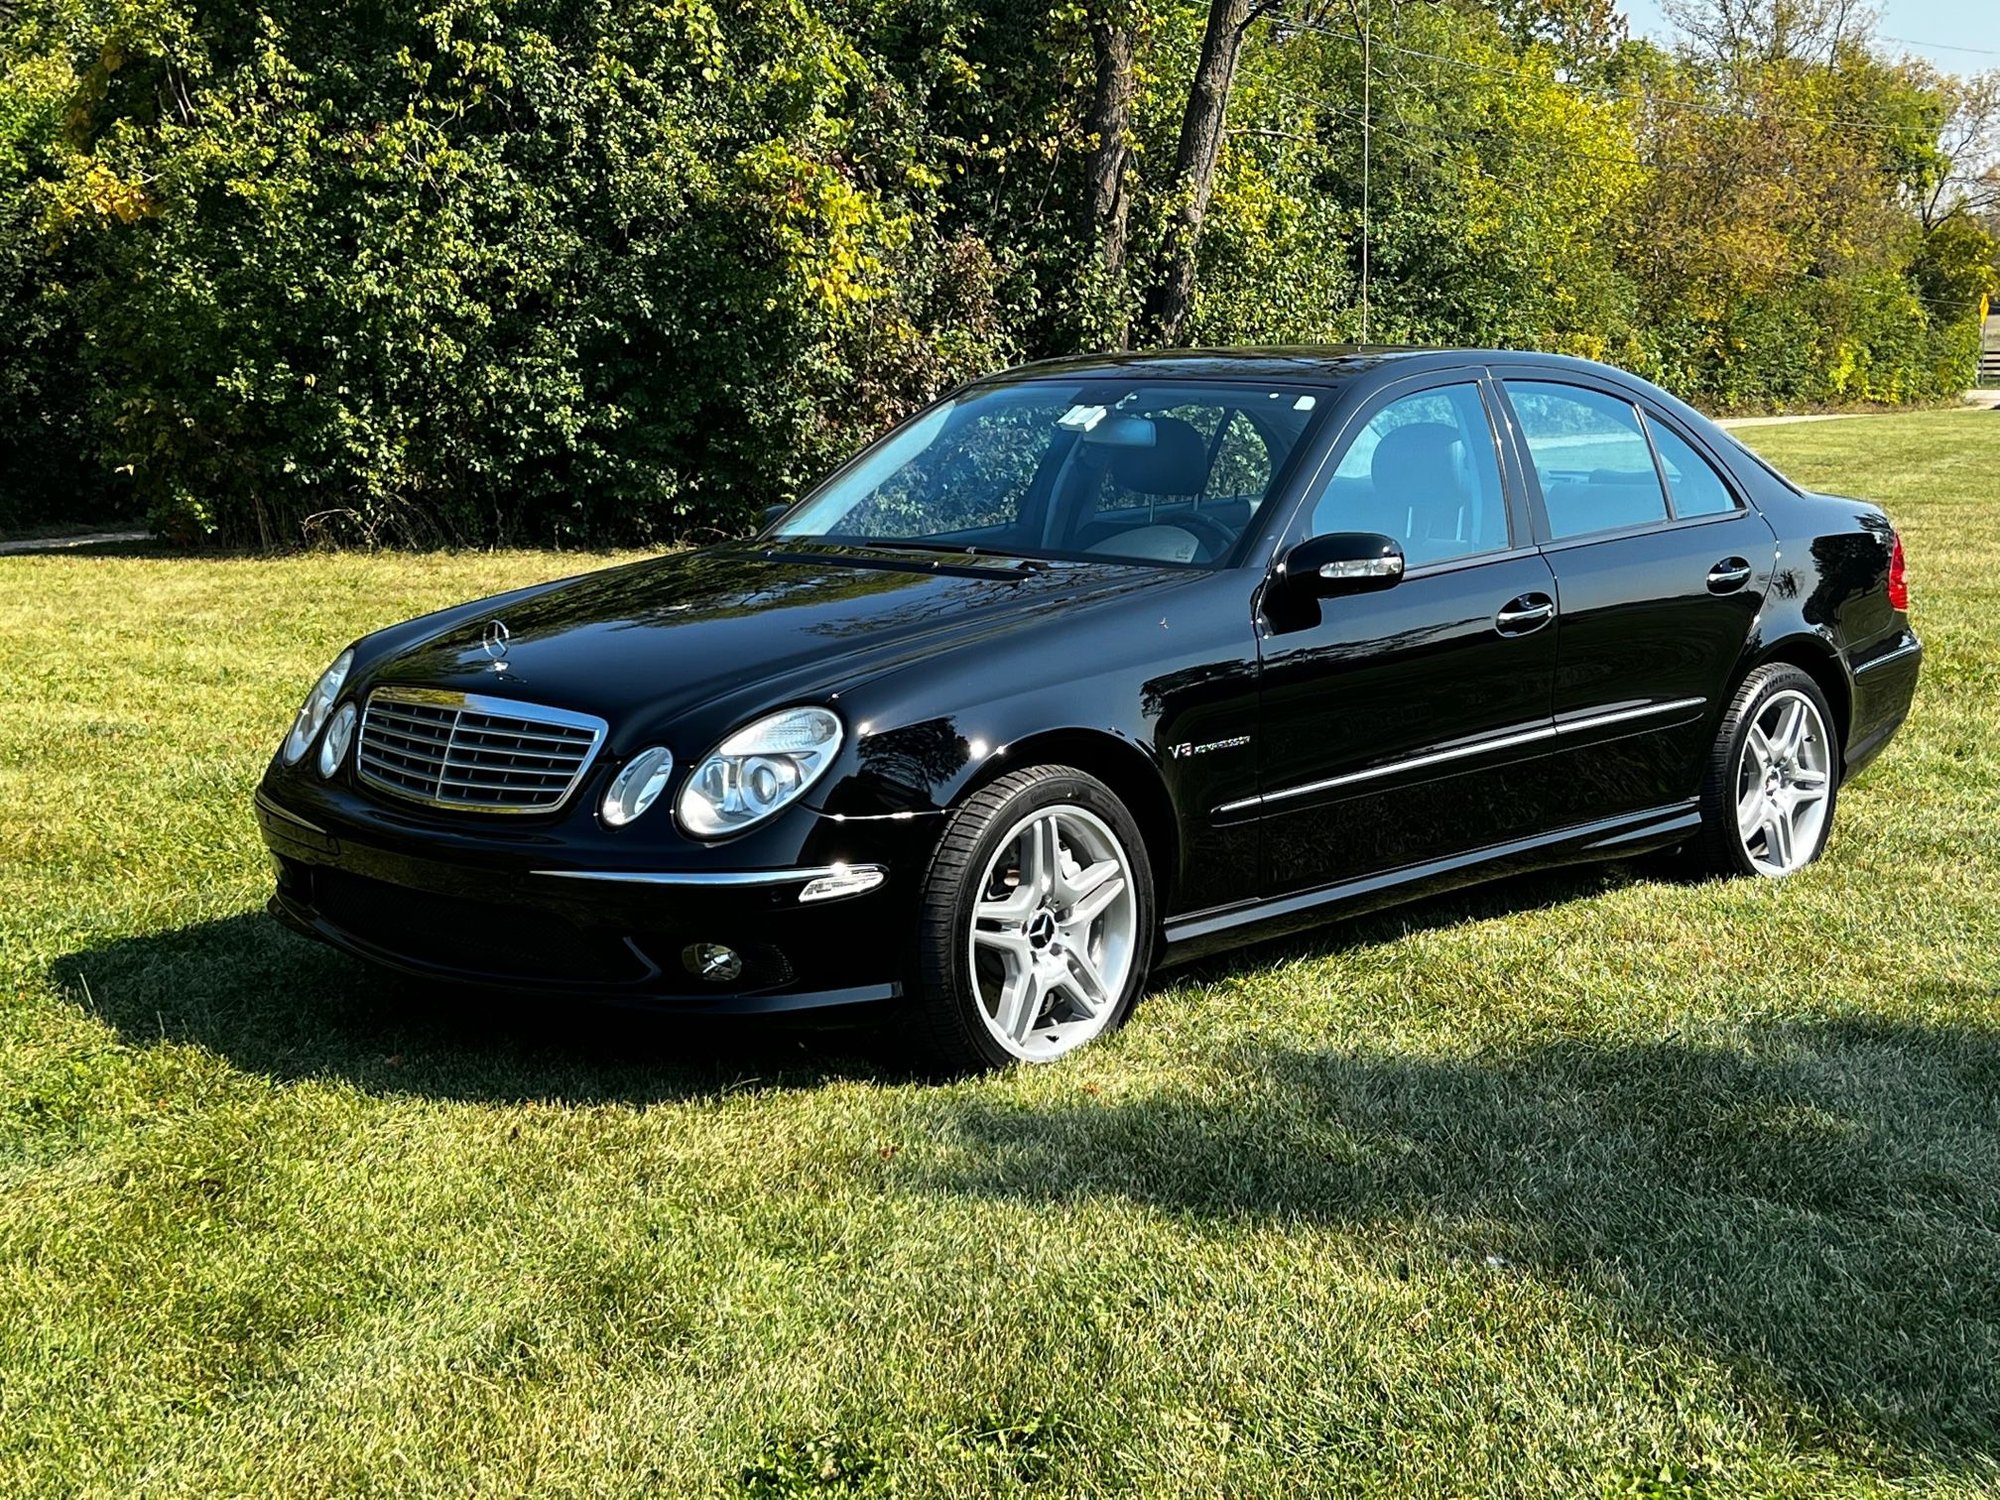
{"x": 1199, "y": 933}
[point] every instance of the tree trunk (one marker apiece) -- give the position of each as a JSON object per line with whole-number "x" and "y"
{"x": 1110, "y": 129}
{"x": 1171, "y": 296}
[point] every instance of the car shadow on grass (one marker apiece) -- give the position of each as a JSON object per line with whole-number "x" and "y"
{"x": 278, "y": 1005}
{"x": 1505, "y": 896}
{"x": 1816, "y": 1206}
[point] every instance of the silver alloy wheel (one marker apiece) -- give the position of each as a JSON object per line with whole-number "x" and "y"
{"x": 1783, "y": 784}
{"x": 1054, "y": 932}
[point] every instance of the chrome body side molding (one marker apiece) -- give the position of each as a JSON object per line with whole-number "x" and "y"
{"x": 1463, "y": 752}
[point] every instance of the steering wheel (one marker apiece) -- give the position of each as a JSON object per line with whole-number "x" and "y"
{"x": 1215, "y": 537}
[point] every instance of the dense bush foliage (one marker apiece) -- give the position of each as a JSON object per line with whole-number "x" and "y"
{"x": 569, "y": 270}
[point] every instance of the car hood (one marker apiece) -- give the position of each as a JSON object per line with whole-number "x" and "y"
{"x": 733, "y": 627}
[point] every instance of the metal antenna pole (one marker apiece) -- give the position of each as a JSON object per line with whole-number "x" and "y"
{"x": 1367, "y": 146}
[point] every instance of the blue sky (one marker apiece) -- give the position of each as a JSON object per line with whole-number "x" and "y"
{"x": 1960, "y": 23}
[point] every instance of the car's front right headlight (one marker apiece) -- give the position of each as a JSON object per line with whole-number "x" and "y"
{"x": 758, "y": 770}
{"x": 319, "y": 703}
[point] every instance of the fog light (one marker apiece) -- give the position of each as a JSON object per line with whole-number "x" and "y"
{"x": 339, "y": 735}
{"x": 844, "y": 881}
{"x": 712, "y": 961}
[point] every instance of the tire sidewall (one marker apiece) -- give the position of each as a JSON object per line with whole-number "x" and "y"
{"x": 942, "y": 946}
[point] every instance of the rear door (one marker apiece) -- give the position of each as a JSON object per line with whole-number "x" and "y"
{"x": 1660, "y": 569}
{"x": 1403, "y": 726}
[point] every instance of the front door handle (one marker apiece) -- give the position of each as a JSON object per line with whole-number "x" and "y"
{"x": 1728, "y": 575}
{"x": 1525, "y": 615}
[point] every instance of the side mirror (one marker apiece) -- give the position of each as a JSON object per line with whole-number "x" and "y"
{"x": 1342, "y": 562}
{"x": 772, "y": 515}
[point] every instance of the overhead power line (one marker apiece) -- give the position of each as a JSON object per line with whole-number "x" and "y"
{"x": 1646, "y": 97}
{"x": 1909, "y": 41}
{"x": 1477, "y": 136}
{"x": 1435, "y": 142}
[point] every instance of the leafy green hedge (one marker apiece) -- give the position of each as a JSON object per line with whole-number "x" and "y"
{"x": 619, "y": 270}
{"x": 544, "y": 270}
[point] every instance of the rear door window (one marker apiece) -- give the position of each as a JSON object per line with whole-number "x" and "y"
{"x": 1591, "y": 455}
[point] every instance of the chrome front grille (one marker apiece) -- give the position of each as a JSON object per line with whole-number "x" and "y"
{"x": 480, "y": 754}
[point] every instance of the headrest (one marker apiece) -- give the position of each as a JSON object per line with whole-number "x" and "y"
{"x": 1176, "y": 464}
{"x": 1418, "y": 462}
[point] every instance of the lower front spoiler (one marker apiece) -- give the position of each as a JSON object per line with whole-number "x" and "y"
{"x": 507, "y": 918}
{"x": 650, "y": 993}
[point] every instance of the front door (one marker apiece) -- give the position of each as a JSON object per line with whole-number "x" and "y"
{"x": 1661, "y": 570}
{"x": 1406, "y": 725}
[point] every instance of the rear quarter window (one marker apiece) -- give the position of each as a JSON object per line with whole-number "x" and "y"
{"x": 1696, "y": 489}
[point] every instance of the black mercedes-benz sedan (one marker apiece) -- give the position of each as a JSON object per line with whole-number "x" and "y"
{"x": 1098, "y": 665}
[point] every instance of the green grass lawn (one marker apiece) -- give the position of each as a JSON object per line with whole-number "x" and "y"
{"x": 1585, "y": 1184}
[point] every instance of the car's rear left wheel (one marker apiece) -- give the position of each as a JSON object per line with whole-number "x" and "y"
{"x": 1036, "y": 922}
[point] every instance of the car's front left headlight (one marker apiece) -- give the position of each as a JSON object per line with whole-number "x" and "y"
{"x": 758, "y": 770}
{"x": 319, "y": 703}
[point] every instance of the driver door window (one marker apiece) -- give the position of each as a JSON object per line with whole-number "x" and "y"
{"x": 1425, "y": 472}
{"x": 1401, "y": 726}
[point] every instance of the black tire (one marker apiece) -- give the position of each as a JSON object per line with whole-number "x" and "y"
{"x": 1721, "y": 848}
{"x": 946, "y": 1025}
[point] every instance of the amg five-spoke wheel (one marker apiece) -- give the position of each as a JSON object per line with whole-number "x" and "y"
{"x": 1784, "y": 784}
{"x": 1054, "y": 931}
{"x": 1774, "y": 774}
{"x": 1037, "y": 922}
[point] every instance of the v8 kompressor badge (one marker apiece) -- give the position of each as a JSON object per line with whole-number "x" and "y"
{"x": 1183, "y": 750}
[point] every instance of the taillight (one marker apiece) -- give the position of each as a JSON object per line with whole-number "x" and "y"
{"x": 1899, "y": 583}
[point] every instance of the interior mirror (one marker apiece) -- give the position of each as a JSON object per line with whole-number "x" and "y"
{"x": 1343, "y": 562}
{"x": 1120, "y": 430}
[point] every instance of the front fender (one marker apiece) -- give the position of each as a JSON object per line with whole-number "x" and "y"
{"x": 1160, "y": 703}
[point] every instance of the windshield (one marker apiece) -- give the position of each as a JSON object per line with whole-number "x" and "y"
{"x": 1168, "y": 473}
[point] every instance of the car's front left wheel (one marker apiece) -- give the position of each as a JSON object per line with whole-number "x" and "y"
{"x": 1036, "y": 923}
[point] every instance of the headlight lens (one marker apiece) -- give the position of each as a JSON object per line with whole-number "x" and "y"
{"x": 339, "y": 735}
{"x": 319, "y": 703}
{"x": 758, "y": 770}
{"x": 637, "y": 785}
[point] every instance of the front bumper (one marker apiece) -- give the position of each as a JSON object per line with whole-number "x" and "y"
{"x": 523, "y": 919}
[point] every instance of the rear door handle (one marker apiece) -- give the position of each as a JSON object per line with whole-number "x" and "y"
{"x": 1525, "y": 615}
{"x": 1728, "y": 575}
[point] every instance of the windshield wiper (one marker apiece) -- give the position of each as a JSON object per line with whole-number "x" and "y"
{"x": 962, "y": 549}
{"x": 898, "y": 544}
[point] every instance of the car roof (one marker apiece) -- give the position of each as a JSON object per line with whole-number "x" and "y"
{"x": 1313, "y": 362}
